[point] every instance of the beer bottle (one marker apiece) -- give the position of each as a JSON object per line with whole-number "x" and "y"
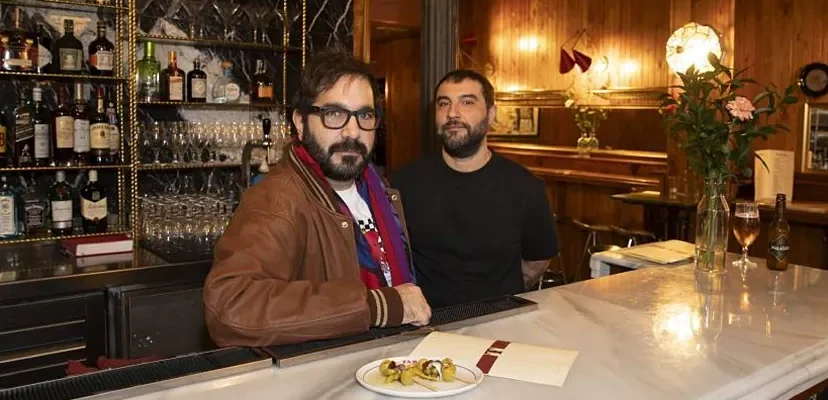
{"x": 778, "y": 237}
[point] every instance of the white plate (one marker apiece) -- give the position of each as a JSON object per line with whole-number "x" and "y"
{"x": 370, "y": 378}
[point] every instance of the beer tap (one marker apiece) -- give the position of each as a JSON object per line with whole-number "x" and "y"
{"x": 247, "y": 152}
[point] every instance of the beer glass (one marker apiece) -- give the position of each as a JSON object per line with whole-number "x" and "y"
{"x": 746, "y": 228}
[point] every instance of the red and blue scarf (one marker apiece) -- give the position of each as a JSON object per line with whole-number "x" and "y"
{"x": 388, "y": 223}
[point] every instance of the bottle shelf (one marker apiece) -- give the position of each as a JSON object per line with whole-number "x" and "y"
{"x": 64, "y": 4}
{"x": 35, "y": 75}
{"x": 229, "y": 106}
{"x": 49, "y": 237}
{"x": 64, "y": 168}
{"x": 175, "y": 166}
{"x": 216, "y": 43}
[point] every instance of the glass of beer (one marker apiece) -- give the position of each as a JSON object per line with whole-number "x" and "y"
{"x": 746, "y": 228}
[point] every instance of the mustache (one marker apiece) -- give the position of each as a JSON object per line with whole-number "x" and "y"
{"x": 456, "y": 124}
{"x": 349, "y": 145}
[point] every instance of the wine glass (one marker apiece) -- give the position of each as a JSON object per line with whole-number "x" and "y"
{"x": 746, "y": 228}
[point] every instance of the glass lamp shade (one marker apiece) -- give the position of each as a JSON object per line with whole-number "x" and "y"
{"x": 690, "y": 45}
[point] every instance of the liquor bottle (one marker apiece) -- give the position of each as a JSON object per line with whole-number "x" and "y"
{"x": 149, "y": 70}
{"x": 63, "y": 132}
{"x": 114, "y": 128}
{"x": 23, "y": 144}
{"x": 19, "y": 46}
{"x": 99, "y": 132}
{"x": 101, "y": 53}
{"x": 262, "y": 90}
{"x": 44, "y": 50}
{"x": 60, "y": 201}
{"x": 80, "y": 116}
{"x": 69, "y": 50}
{"x": 9, "y": 220}
{"x": 94, "y": 209}
{"x": 35, "y": 209}
{"x": 197, "y": 84}
{"x": 172, "y": 81}
{"x": 778, "y": 237}
{"x": 226, "y": 89}
{"x": 41, "y": 121}
{"x": 4, "y": 146}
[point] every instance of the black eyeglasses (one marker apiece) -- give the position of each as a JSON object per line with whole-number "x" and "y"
{"x": 337, "y": 117}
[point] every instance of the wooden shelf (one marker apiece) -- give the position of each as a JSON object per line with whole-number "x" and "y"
{"x": 35, "y": 75}
{"x": 216, "y": 43}
{"x": 174, "y": 166}
{"x": 63, "y": 168}
{"x": 62, "y": 4}
{"x": 49, "y": 237}
{"x": 226, "y": 106}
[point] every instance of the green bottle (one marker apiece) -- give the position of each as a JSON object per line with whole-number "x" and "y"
{"x": 149, "y": 70}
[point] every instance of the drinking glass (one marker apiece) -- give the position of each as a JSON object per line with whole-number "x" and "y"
{"x": 746, "y": 228}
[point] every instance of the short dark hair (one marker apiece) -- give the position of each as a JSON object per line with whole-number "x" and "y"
{"x": 324, "y": 69}
{"x": 460, "y": 75}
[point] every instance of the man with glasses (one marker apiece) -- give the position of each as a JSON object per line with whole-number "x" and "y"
{"x": 480, "y": 224}
{"x": 317, "y": 249}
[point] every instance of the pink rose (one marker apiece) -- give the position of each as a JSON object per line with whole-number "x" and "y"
{"x": 741, "y": 108}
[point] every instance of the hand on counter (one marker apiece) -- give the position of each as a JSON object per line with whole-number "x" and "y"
{"x": 416, "y": 310}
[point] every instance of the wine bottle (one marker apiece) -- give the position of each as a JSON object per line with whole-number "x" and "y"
{"x": 101, "y": 53}
{"x": 99, "y": 132}
{"x": 35, "y": 209}
{"x": 41, "y": 121}
{"x": 19, "y": 46}
{"x": 63, "y": 132}
{"x": 94, "y": 205}
{"x": 149, "y": 70}
{"x": 60, "y": 201}
{"x": 23, "y": 134}
{"x": 69, "y": 50}
{"x": 9, "y": 220}
{"x": 197, "y": 84}
{"x": 172, "y": 81}
{"x": 80, "y": 116}
{"x": 114, "y": 128}
{"x": 262, "y": 90}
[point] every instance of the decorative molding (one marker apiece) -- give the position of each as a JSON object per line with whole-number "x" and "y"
{"x": 532, "y": 98}
{"x": 606, "y": 98}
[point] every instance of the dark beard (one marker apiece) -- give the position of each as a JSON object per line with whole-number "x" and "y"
{"x": 466, "y": 146}
{"x": 351, "y": 167}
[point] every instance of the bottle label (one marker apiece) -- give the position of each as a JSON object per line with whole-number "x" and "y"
{"x": 41, "y": 133}
{"x": 779, "y": 247}
{"x": 266, "y": 92}
{"x": 70, "y": 59}
{"x": 62, "y": 214}
{"x": 114, "y": 139}
{"x": 44, "y": 56}
{"x": 82, "y": 136}
{"x": 2, "y": 139}
{"x": 8, "y": 226}
{"x": 17, "y": 55}
{"x": 232, "y": 91}
{"x": 176, "y": 88}
{"x": 94, "y": 210}
{"x": 199, "y": 88}
{"x": 102, "y": 60}
{"x": 65, "y": 132}
{"x": 99, "y": 135}
{"x": 35, "y": 214}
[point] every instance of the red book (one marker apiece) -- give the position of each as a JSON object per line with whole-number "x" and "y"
{"x": 97, "y": 245}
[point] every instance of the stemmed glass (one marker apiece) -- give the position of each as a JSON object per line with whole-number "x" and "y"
{"x": 746, "y": 228}
{"x": 226, "y": 10}
{"x": 194, "y": 8}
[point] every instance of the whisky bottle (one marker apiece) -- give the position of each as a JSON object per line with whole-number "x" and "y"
{"x": 99, "y": 132}
{"x": 94, "y": 209}
{"x": 262, "y": 90}
{"x": 197, "y": 84}
{"x": 42, "y": 134}
{"x": 172, "y": 81}
{"x": 35, "y": 209}
{"x": 60, "y": 201}
{"x": 149, "y": 70}
{"x": 114, "y": 129}
{"x": 9, "y": 220}
{"x": 101, "y": 53}
{"x": 24, "y": 139}
{"x": 19, "y": 47}
{"x": 80, "y": 117}
{"x": 69, "y": 50}
{"x": 779, "y": 237}
{"x": 63, "y": 132}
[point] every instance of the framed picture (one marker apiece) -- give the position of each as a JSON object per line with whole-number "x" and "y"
{"x": 515, "y": 122}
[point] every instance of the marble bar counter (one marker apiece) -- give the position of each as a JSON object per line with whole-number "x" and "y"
{"x": 655, "y": 333}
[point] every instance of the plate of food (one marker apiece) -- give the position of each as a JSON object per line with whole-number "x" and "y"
{"x": 419, "y": 378}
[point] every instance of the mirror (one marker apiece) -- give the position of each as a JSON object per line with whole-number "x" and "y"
{"x": 815, "y": 140}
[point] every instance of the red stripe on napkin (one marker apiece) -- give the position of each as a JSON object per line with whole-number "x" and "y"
{"x": 488, "y": 358}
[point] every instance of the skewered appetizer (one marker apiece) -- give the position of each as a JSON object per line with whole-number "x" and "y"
{"x": 433, "y": 370}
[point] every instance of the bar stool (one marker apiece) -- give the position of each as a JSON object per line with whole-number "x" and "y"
{"x": 591, "y": 240}
{"x": 634, "y": 236}
{"x": 552, "y": 277}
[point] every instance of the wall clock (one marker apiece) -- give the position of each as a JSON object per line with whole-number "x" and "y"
{"x": 813, "y": 79}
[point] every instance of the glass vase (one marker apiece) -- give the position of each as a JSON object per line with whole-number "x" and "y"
{"x": 583, "y": 144}
{"x": 712, "y": 228}
{"x": 592, "y": 142}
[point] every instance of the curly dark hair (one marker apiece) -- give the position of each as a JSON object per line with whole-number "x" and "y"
{"x": 324, "y": 69}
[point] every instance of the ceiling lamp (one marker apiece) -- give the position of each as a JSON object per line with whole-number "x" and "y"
{"x": 690, "y": 45}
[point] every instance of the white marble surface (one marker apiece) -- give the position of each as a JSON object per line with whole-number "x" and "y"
{"x": 646, "y": 334}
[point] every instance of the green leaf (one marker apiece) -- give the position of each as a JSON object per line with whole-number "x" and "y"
{"x": 789, "y": 100}
{"x": 782, "y": 127}
{"x": 747, "y": 172}
{"x": 760, "y": 96}
{"x": 763, "y": 110}
{"x": 763, "y": 162}
{"x": 748, "y": 80}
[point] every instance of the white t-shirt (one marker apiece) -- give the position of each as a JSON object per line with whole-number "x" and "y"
{"x": 362, "y": 214}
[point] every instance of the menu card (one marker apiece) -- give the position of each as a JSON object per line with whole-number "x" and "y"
{"x": 537, "y": 364}
{"x": 777, "y": 178}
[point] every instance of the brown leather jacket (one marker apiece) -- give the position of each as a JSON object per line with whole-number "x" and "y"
{"x": 286, "y": 269}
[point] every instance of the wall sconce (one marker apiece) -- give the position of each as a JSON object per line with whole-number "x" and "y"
{"x": 690, "y": 45}
{"x": 528, "y": 44}
{"x": 582, "y": 60}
